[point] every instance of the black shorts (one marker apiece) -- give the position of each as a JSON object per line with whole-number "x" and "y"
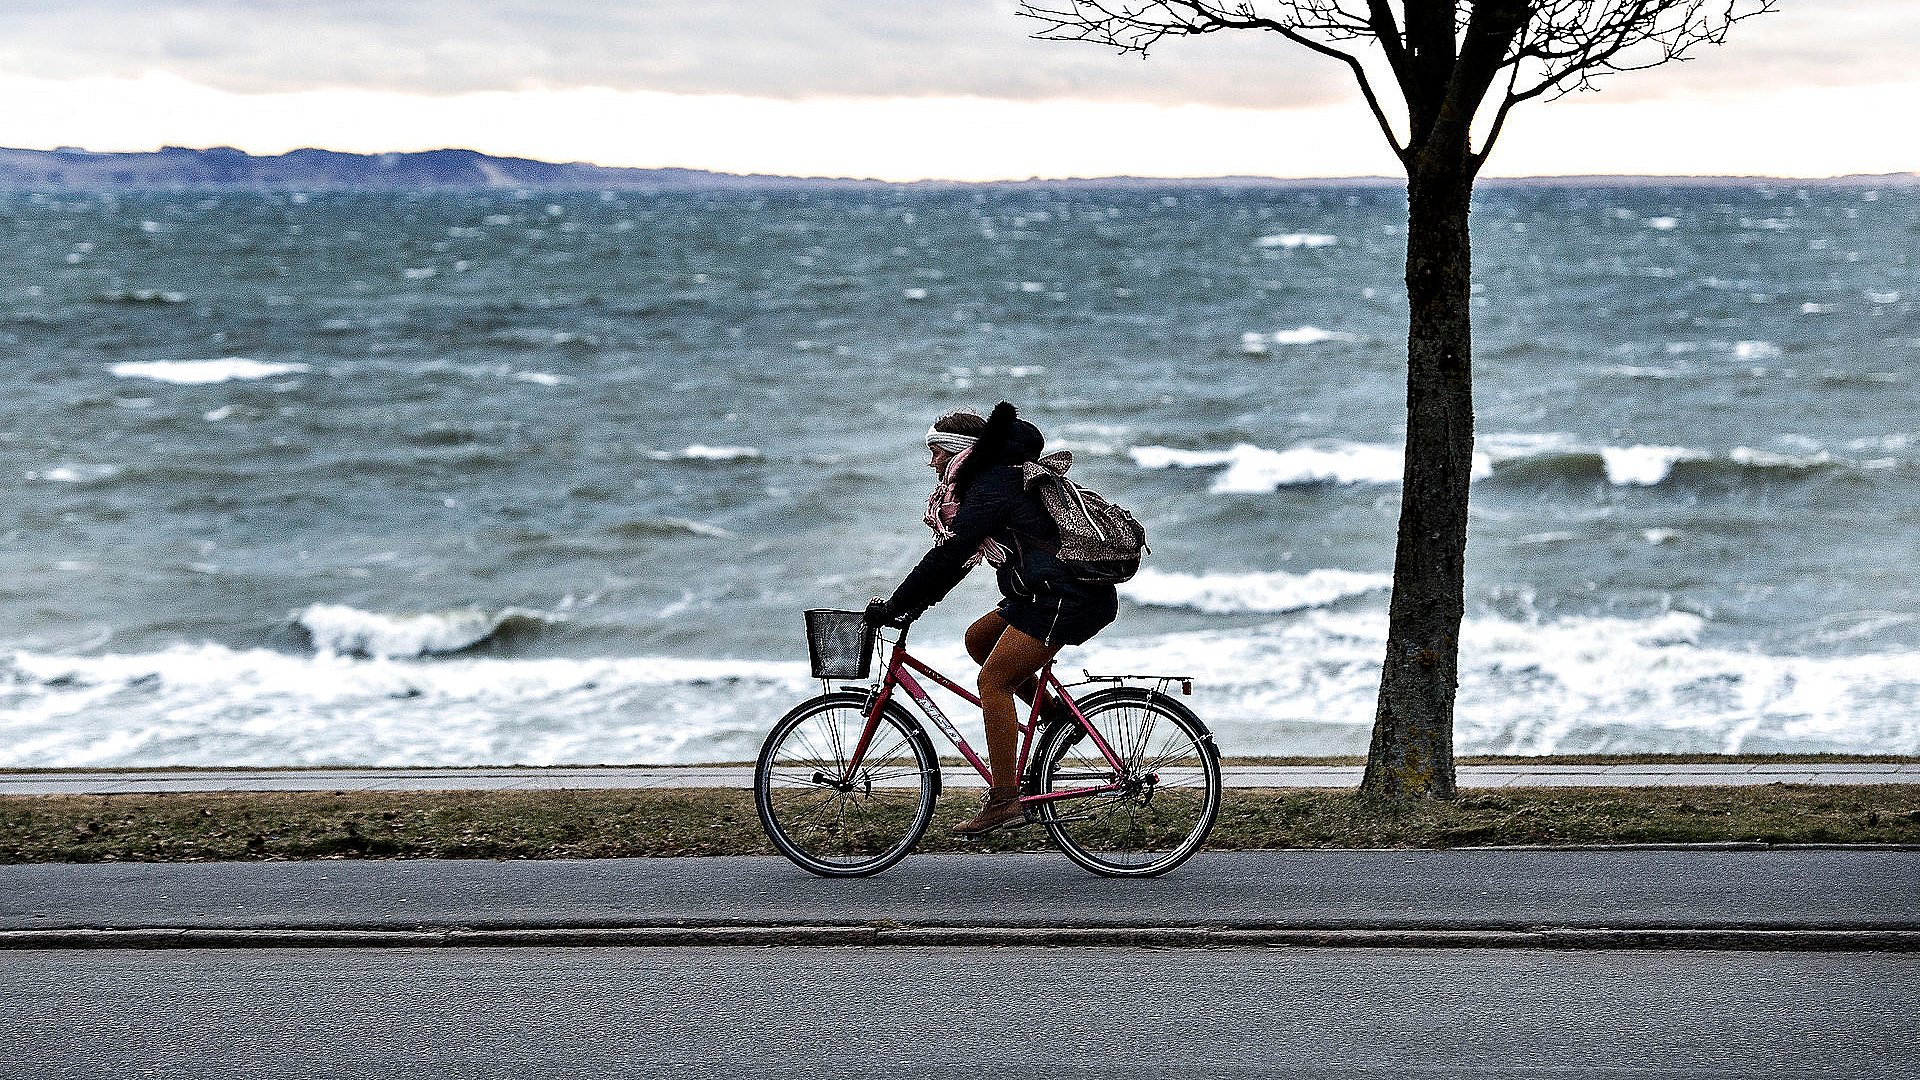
{"x": 1062, "y": 620}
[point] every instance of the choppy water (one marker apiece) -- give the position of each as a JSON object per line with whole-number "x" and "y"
{"x": 530, "y": 478}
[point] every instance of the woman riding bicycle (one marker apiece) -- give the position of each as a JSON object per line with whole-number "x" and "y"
{"x": 982, "y": 510}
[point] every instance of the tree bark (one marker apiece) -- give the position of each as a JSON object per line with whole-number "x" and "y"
{"x": 1412, "y": 751}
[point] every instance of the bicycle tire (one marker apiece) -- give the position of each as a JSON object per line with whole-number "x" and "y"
{"x": 845, "y": 831}
{"x": 1171, "y": 792}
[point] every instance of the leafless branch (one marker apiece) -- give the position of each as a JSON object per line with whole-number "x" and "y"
{"x": 1545, "y": 47}
{"x": 1570, "y": 43}
{"x": 1138, "y": 25}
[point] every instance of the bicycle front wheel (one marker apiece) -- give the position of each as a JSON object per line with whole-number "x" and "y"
{"x": 1162, "y": 799}
{"x": 840, "y": 822}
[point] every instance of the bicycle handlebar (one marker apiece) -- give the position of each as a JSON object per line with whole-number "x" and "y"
{"x": 903, "y": 628}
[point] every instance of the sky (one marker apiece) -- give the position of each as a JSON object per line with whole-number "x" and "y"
{"x": 896, "y": 89}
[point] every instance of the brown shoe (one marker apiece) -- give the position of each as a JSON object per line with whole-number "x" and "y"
{"x": 1002, "y": 808}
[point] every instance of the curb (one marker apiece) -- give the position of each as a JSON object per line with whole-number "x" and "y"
{"x": 1750, "y": 940}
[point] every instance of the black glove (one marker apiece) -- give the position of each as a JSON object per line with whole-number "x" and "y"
{"x": 880, "y": 612}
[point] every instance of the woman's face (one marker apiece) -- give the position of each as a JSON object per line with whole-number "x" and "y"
{"x": 938, "y": 457}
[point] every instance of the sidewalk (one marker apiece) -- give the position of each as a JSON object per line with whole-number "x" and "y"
{"x": 1775, "y": 899}
{"x": 79, "y": 782}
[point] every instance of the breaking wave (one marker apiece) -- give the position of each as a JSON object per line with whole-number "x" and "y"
{"x": 1304, "y": 682}
{"x": 203, "y": 372}
{"x": 336, "y": 628}
{"x": 699, "y": 452}
{"x": 208, "y": 704}
{"x": 1250, "y": 469}
{"x": 1270, "y": 591}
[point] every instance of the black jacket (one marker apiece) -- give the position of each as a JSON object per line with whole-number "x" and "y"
{"x": 996, "y": 504}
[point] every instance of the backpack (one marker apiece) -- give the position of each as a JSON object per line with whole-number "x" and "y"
{"x": 1100, "y": 542}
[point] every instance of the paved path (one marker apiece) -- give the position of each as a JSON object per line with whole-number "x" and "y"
{"x": 956, "y": 1014}
{"x": 1461, "y": 890}
{"x": 740, "y": 776}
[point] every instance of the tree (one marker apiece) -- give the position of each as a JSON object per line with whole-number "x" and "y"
{"x": 1446, "y": 58}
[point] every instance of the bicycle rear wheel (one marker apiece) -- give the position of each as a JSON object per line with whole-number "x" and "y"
{"x": 833, "y": 824}
{"x": 1168, "y": 790}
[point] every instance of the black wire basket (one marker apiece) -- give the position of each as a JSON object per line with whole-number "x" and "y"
{"x": 840, "y": 644}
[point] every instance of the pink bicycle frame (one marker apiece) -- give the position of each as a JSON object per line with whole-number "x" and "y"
{"x": 900, "y": 668}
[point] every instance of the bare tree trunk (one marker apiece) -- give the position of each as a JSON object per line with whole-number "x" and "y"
{"x": 1412, "y": 752}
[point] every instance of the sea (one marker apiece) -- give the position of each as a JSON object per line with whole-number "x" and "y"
{"x": 468, "y": 478}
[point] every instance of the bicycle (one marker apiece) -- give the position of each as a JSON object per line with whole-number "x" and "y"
{"x": 1126, "y": 782}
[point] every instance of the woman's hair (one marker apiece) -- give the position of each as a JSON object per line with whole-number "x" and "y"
{"x": 961, "y": 422}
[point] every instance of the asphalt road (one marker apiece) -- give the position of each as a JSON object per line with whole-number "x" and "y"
{"x": 528, "y": 1014}
{"x": 1485, "y": 889}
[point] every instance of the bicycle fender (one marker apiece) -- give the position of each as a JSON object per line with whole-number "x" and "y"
{"x": 1141, "y": 694}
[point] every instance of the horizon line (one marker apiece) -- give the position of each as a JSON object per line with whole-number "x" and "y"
{"x": 1031, "y": 179}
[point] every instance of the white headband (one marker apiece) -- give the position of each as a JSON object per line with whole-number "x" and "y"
{"x": 948, "y": 441}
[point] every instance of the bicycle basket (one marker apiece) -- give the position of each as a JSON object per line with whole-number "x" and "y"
{"x": 840, "y": 643}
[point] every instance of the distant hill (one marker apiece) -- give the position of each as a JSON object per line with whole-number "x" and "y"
{"x": 223, "y": 167}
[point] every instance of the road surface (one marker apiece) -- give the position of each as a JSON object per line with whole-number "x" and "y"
{"x": 529, "y": 1014}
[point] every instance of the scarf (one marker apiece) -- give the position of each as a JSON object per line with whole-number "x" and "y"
{"x": 943, "y": 504}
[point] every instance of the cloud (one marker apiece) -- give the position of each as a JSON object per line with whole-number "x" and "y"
{"x": 811, "y": 49}
{"x": 787, "y": 49}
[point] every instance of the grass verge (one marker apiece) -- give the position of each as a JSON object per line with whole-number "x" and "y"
{"x": 689, "y": 821}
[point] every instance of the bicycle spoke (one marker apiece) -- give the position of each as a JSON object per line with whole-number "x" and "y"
{"x": 1137, "y": 828}
{"x": 829, "y": 817}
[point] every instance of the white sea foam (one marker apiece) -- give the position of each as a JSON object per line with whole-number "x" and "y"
{"x": 1766, "y": 459}
{"x": 698, "y": 452}
{"x": 1534, "y": 686}
{"x": 76, "y": 474}
{"x": 1304, "y": 682}
{"x": 337, "y": 628}
{"x": 1643, "y": 466}
{"x": 1289, "y": 241}
{"x": 1102, "y": 440}
{"x": 210, "y": 705}
{"x": 1663, "y": 223}
{"x": 535, "y": 337}
{"x": 698, "y": 528}
{"x": 1257, "y": 591}
{"x": 1884, "y": 443}
{"x": 539, "y": 378}
{"x": 1502, "y": 446}
{"x": 1755, "y": 350}
{"x": 1167, "y": 457}
{"x": 719, "y": 453}
{"x": 1254, "y": 344}
{"x": 1308, "y": 335}
{"x": 1251, "y": 469}
{"x": 202, "y": 372}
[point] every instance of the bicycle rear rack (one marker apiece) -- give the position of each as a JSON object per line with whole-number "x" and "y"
{"x": 1160, "y": 682}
